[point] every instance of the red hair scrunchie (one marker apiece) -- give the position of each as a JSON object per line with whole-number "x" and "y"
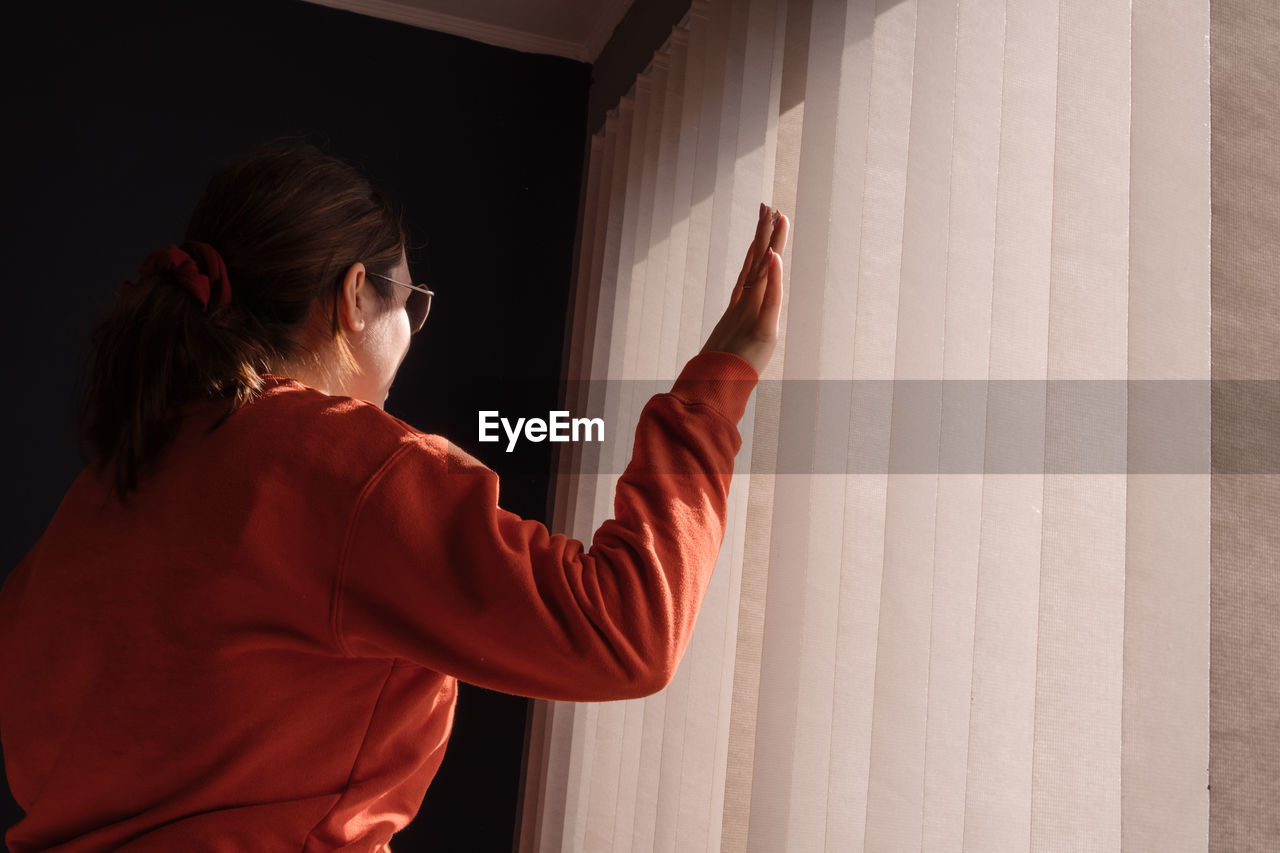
{"x": 196, "y": 266}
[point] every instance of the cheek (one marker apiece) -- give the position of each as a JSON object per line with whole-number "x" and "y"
{"x": 403, "y": 336}
{"x": 385, "y": 345}
{"x": 396, "y": 345}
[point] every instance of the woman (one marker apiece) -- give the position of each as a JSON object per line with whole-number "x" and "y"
{"x": 243, "y": 627}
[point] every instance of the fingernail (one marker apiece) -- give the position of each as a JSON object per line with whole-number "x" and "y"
{"x": 762, "y": 209}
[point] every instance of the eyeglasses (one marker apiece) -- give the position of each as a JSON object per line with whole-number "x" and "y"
{"x": 418, "y": 305}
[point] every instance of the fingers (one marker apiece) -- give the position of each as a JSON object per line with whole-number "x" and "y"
{"x": 771, "y": 266}
{"x": 765, "y": 238}
{"x": 772, "y": 230}
{"x": 781, "y": 230}
{"x": 755, "y": 252}
{"x": 775, "y": 238}
{"x": 760, "y": 276}
{"x": 775, "y": 235}
{"x": 771, "y": 299}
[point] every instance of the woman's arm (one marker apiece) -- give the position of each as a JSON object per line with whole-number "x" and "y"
{"x": 434, "y": 571}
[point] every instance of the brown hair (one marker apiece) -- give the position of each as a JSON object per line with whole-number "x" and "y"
{"x": 289, "y": 221}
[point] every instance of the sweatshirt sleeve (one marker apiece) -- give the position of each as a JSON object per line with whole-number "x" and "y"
{"x": 435, "y": 572}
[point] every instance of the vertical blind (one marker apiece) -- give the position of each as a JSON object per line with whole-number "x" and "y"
{"x": 950, "y": 612}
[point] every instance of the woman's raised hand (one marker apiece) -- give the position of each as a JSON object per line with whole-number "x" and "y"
{"x": 749, "y": 327}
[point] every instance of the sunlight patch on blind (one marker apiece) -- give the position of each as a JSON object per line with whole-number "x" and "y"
{"x": 1008, "y": 192}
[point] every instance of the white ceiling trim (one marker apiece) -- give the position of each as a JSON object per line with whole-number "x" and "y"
{"x": 487, "y": 33}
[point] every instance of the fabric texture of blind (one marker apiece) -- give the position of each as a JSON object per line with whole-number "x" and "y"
{"x": 999, "y": 251}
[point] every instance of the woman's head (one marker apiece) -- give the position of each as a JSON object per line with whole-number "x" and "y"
{"x": 310, "y": 249}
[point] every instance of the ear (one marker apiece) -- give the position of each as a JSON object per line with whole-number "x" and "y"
{"x": 355, "y": 302}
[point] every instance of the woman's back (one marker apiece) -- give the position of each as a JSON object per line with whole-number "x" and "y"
{"x": 261, "y": 646}
{"x": 176, "y": 655}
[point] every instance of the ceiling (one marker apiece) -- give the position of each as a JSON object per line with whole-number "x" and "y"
{"x": 576, "y": 29}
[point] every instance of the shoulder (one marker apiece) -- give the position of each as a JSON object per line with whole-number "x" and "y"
{"x": 293, "y": 430}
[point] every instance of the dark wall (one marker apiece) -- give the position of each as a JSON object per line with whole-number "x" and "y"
{"x": 115, "y": 116}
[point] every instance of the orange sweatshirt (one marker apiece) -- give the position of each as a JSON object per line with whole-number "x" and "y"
{"x": 258, "y": 650}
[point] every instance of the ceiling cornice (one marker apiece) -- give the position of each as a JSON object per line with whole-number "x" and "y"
{"x": 482, "y": 32}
